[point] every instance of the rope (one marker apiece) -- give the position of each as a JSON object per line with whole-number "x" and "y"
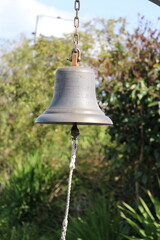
{"x": 72, "y": 167}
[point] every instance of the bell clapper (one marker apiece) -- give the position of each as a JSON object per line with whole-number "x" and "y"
{"x": 74, "y": 133}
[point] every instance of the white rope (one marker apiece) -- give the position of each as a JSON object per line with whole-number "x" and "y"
{"x": 72, "y": 167}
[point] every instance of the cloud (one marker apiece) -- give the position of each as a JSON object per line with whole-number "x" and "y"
{"x": 19, "y": 16}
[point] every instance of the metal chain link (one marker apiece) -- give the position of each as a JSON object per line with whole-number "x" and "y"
{"x": 76, "y": 24}
{"x": 76, "y": 50}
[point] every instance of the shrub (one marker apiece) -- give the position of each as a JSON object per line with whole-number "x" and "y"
{"x": 100, "y": 221}
{"x": 145, "y": 221}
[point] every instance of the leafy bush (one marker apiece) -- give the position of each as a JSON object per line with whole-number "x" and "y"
{"x": 129, "y": 77}
{"x": 30, "y": 196}
{"x": 27, "y": 231}
{"x": 145, "y": 221}
{"x": 99, "y": 221}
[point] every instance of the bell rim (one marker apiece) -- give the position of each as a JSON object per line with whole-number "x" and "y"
{"x": 65, "y": 119}
{"x": 77, "y": 123}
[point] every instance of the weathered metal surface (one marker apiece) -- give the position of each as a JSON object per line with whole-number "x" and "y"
{"x": 74, "y": 99}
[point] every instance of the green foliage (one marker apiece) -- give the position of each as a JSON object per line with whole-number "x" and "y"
{"x": 27, "y": 75}
{"x": 33, "y": 188}
{"x": 129, "y": 85}
{"x": 28, "y": 197}
{"x": 25, "y": 232}
{"x": 27, "y": 188}
{"x": 99, "y": 221}
{"x": 145, "y": 221}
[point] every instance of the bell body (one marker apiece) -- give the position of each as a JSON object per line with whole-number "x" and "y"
{"x": 74, "y": 99}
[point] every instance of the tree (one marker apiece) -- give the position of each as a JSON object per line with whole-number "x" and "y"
{"x": 128, "y": 71}
{"x": 128, "y": 82}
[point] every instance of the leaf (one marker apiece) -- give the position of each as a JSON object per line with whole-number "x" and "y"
{"x": 132, "y": 238}
{"x": 156, "y": 204}
{"x": 152, "y": 104}
{"x": 134, "y": 225}
{"x": 131, "y": 211}
{"x": 146, "y": 209}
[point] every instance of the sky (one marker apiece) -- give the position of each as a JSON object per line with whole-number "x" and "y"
{"x": 19, "y": 16}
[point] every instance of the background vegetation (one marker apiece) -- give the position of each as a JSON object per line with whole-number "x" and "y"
{"x": 114, "y": 164}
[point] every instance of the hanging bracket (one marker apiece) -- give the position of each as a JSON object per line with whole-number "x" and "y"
{"x": 75, "y": 57}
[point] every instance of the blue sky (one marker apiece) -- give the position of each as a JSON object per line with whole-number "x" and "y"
{"x": 111, "y": 8}
{"x": 19, "y": 16}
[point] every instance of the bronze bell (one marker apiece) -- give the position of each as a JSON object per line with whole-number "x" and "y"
{"x": 74, "y": 99}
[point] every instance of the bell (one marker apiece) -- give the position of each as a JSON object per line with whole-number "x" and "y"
{"x": 74, "y": 99}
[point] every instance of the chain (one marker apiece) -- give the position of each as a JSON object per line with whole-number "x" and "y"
{"x": 76, "y": 24}
{"x": 76, "y": 50}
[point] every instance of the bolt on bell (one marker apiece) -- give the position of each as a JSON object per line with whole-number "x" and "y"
{"x": 74, "y": 99}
